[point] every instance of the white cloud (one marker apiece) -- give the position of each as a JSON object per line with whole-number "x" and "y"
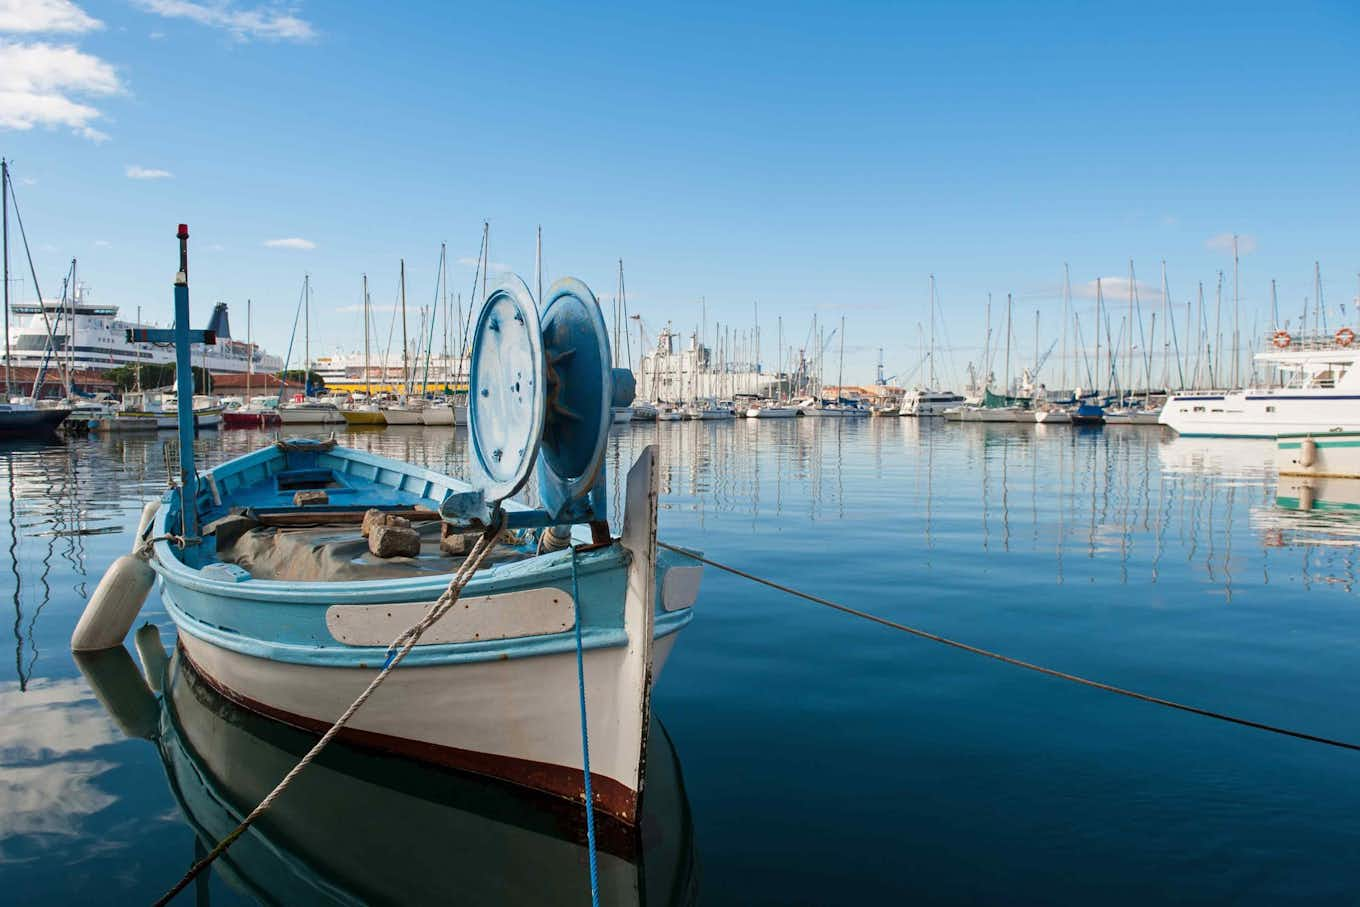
{"x": 243, "y": 24}
{"x": 137, "y": 172}
{"x": 1115, "y": 289}
{"x": 27, "y": 16}
{"x": 39, "y": 83}
{"x": 291, "y": 242}
{"x": 102, "y": 243}
{"x": 491, "y": 266}
{"x": 1223, "y": 242}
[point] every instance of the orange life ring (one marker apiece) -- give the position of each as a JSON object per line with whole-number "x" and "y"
{"x": 1345, "y": 337}
{"x": 1281, "y": 339}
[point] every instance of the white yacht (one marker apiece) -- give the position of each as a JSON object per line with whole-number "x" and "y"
{"x": 923, "y": 402}
{"x": 1318, "y": 391}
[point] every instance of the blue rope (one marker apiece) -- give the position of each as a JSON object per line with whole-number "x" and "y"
{"x": 585, "y": 739}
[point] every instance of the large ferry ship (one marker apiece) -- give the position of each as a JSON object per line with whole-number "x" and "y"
{"x": 89, "y": 336}
{"x": 1316, "y": 389}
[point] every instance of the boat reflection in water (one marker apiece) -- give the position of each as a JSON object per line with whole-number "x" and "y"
{"x": 361, "y": 827}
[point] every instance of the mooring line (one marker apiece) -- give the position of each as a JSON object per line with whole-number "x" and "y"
{"x": 1030, "y": 666}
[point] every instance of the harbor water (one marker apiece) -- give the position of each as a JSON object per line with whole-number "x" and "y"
{"x": 808, "y": 757}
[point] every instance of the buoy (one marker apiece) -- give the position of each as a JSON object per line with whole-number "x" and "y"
{"x": 1307, "y": 452}
{"x": 1306, "y": 496}
{"x": 119, "y": 687}
{"x": 114, "y": 606}
{"x": 151, "y": 651}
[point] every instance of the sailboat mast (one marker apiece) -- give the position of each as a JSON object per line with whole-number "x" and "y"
{"x": 250, "y": 353}
{"x": 1007, "y": 389}
{"x": 933, "y": 382}
{"x": 405, "y": 349}
{"x": 1237, "y": 316}
{"x": 1100, "y": 298}
{"x": 368, "y": 384}
{"x": 306, "y": 334}
{"x": 1128, "y": 391}
{"x": 840, "y": 373}
{"x": 1067, "y": 301}
{"x": 4, "y": 219}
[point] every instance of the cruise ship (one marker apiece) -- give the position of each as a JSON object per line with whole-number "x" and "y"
{"x": 1316, "y": 391}
{"x": 89, "y": 336}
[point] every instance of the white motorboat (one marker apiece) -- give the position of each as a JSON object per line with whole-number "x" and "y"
{"x": 924, "y": 403}
{"x": 1319, "y": 393}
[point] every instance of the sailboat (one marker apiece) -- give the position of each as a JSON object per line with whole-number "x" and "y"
{"x": 366, "y": 412}
{"x": 21, "y": 417}
{"x": 251, "y": 414}
{"x": 929, "y": 400}
{"x": 403, "y": 411}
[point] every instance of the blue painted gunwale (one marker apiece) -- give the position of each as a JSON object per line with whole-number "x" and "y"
{"x": 285, "y": 621}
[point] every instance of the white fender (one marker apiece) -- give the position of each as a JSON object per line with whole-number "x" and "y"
{"x": 148, "y": 514}
{"x": 1307, "y": 452}
{"x": 114, "y": 606}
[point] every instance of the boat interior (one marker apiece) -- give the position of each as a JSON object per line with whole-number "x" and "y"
{"x": 255, "y": 528}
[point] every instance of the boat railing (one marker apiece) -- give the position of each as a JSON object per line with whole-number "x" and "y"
{"x": 1324, "y": 341}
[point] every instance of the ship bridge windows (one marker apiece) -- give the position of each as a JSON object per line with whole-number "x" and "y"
{"x": 39, "y": 342}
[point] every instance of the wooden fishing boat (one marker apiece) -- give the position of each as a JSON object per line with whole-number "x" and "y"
{"x": 283, "y": 621}
{"x": 283, "y": 607}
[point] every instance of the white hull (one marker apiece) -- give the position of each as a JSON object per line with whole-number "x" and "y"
{"x": 1053, "y": 417}
{"x": 444, "y": 415}
{"x": 1262, "y": 413}
{"x": 1132, "y": 417}
{"x": 622, "y": 414}
{"x": 997, "y": 414}
{"x": 309, "y": 414}
{"x": 400, "y": 415}
{"x": 772, "y": 412}
{"x": 1324, "y": 456}
{"x": 203, "y": 418}
{"x": 533, "y": 718}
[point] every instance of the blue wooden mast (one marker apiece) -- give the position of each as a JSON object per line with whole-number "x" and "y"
{"x": 181, "y": 335}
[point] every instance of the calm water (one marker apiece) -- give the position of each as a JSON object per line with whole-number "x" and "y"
{"x": 824, "y": 759}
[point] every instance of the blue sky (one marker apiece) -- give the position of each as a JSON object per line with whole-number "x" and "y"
{"x": 813, "y": 158}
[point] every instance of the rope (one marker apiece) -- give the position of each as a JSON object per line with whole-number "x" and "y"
{"x": 147, "y": 548}
{"x": 585, "y": 738}
{"x": 1029, "y": 666}
{"x": 410, "y": 637}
